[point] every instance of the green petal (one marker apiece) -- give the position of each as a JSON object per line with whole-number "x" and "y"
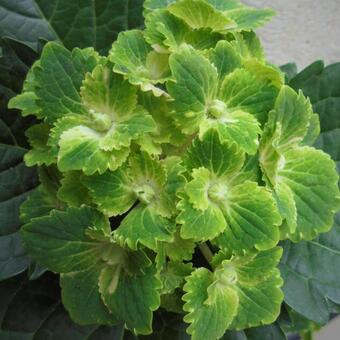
{"x": 196, "y": 85}
{"x": 199, "y": 14}
{"x": 248, "y": 19}
{"x": 111, "y": 191}
{"x": 290, "y": 118}
{"x": 210, "y": 307}
{"x": 143, "y": 225}
{"x": 56, "y": 80}
{"x": 221, "y": 159}
{"x": 252, "y": 219}
{"x": 178, "y": 249}
{"x": 225, "y": 58}
{"x": 108, "y": 93}
{"x": 246, "y": 289}
{"x": 59, "y": 241}
{"x": 246, "y": 91}
{"x": 40, "y": 153}
{"x": 165, "y": 32}
{"x": 200, "y": 225}
{"x": 248, "y": 45}
{"x": 239, "y": 127}
{"x": 258, "y": 287}
{"x": 173, "y": 276}
{"x": 123, "y": 131}
{"x": 134, "y": 298}
{"x": 311, "y": 176}
{"x": 197, "y": 189}
{"x": 133, "y": 57}
{"x": 151, "y": 5}
{"x": 80, "y": 150}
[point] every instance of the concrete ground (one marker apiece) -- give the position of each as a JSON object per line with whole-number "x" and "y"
{"x": 303, "y": 31}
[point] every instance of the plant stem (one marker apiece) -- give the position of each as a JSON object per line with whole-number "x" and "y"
{"x": 308, "y": 335}
{"x": 206, "y": 252}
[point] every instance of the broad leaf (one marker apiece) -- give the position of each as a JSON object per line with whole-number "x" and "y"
{"x": 134, "y": 299}
{"x": 246, "y": 297}
{"x": 13, "y": 258}
{"x": 53, "y": 84}
{"x": 111, "y": 191}
{"x": 143, "y": 225}
{"x": 199, "y": 14}
{"x": 217, "y": 202}
{"x": 81, "y": 297}
{"x": 211, "y": 307}
{"x": 197, "y": 224}
{"x": 252, "y": 219}
{"x": 306, "y": 189}
{"x": 221, "y": 159}
{"x": 202, "y": 104}
{"x": 16, "y": 184}
{"x": 311, "y": 275}
{"x": 133, "y": 57}
{"x": 311, "y": 176}
{"x": 59, "y": 241}
{"x": 74, "y": 24}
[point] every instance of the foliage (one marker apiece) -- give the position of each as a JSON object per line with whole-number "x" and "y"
{"x": 170, "y": 171}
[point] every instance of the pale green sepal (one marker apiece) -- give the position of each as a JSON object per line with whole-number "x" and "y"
{"x": 80, "y": 150}
{"x": 197, "y": 189}
{"x": 248, "y": 19}
{"x": 196, "y": 81}
{"x": 211, "y": 306}
{"x": 199, "y": 225}
{"x": 133, "y": 57}
{"x": 40, "y": 153}
{"x": 225, "y": 58}
{"x": 252, "y": 219}
{"x": 143, "y": 225}
{"x": 237, "y": 127}
{"x": 220, "y": 158}
{"x": 312, "y": 177}
{"x": 200, "y": 14}
{"x": 105, "y": 92}
{"x": 26, "y": 102}
{"x": 244, "y": 90}
{"x": 111, "y": 191}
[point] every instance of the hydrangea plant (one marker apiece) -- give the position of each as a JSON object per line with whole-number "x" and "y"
{"x": 182, "y": 144}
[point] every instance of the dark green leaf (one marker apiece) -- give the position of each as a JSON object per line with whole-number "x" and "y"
{"x": 80, "y": 23}
{"x": 13, "y": 259}
{"x": 311, "y": 274}
{"x": 31, "y": 304}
